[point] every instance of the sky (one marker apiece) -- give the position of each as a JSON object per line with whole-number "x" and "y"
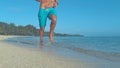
{"x": 86, "y": 17}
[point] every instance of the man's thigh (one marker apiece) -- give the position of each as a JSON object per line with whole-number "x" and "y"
{"x": 53, "y": 17}
{"x": 42, "y": 17}
{"x": 52, "y": 14}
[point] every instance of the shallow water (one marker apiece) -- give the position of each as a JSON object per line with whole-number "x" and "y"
{"x": 106, "y": 48}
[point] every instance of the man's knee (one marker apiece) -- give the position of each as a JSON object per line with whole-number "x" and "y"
{"x": 41, "y": 29}
{"x": 54, "y": 19}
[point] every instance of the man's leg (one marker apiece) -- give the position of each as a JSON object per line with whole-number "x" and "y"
{"x": 41, "y": 36}
{"x": 52, "y": 27}
{"x": 42, "y": 23}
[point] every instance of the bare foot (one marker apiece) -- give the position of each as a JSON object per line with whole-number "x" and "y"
{"x": 51, "y": 39}
{"x": 41, "y": 44}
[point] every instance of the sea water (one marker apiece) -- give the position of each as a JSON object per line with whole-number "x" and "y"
{"x": 107, "y": 48}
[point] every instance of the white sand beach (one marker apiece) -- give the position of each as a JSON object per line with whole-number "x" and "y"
{"x": 12, "y": 56}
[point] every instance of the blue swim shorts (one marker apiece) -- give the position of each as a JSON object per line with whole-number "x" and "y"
{"x": 43, "y": 14}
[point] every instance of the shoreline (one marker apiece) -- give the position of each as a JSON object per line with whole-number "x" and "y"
{"x": 13, "y": 56}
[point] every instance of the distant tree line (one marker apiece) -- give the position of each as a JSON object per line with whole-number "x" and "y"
{"x": 28, "y": 30}
{"x": 12, "y": 29}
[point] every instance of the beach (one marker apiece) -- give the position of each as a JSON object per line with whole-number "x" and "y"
{"x": 13, "y": 56}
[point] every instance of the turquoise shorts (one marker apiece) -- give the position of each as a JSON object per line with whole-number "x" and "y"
{"x": 43, "y": 14}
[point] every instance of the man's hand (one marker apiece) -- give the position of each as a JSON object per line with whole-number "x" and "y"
{"x": 56, "y": 3}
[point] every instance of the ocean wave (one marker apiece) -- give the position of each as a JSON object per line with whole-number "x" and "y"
{"x": 110, "y": 56}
